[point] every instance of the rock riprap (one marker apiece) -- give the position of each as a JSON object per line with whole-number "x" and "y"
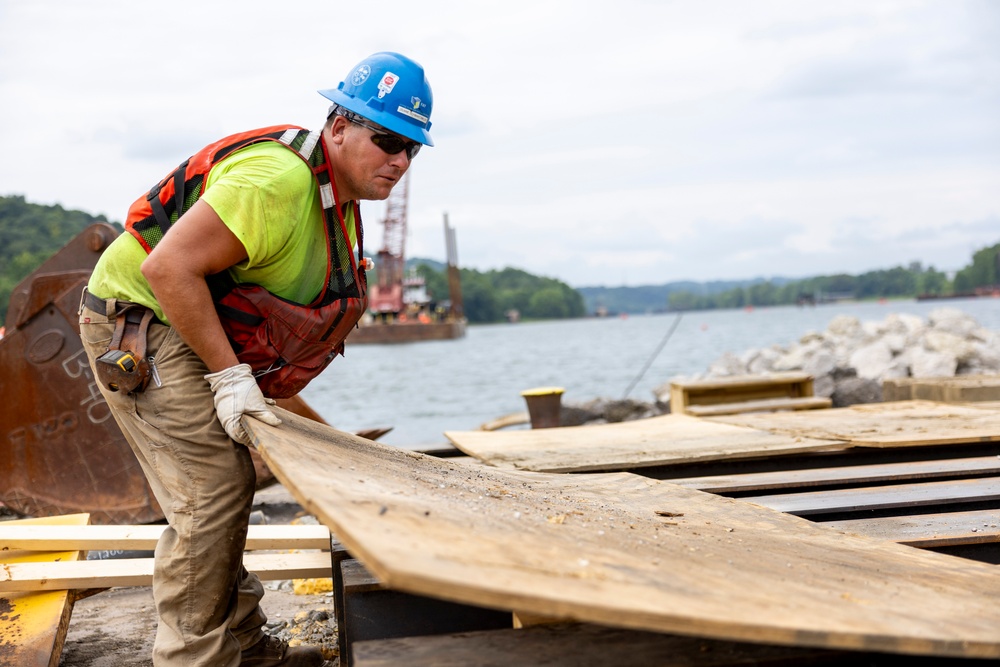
{"x": 851, "y": 358}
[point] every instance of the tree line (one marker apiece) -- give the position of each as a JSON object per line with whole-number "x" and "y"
{"x": 914, "y": 280}
{"x": 31, "y": 233}
{"x": 492, "y": 296}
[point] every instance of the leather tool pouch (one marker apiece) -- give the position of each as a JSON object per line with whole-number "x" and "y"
{"x": 124, "y": 367}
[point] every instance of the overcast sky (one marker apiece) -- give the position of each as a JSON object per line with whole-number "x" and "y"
{"x": 628, "y": 142}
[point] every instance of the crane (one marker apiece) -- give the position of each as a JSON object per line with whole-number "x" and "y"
{"x": 395, "y": 295}
{"x": 386, "y": 296}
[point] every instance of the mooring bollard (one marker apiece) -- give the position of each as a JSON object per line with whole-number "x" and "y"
{"x": 544, "y": 406}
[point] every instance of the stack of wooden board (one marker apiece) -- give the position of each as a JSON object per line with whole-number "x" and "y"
{"x": 33, "y": 623}
{"x": 67, "y": 574}
{"x": 43, "y": 570}
{"x": 958, "y": 389}
{"x": 629, "y": 551}
{"x": 916, "y": 472}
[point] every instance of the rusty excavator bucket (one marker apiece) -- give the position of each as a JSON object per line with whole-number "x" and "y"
{"x": 61, "y": 450}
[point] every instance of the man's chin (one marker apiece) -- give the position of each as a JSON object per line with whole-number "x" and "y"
{"x": 381, "y": 191}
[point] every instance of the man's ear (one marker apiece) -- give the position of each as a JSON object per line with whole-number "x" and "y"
{"x": 338, "y": 128}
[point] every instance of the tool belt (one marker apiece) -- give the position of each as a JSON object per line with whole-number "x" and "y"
{"x": 124, "y": 367}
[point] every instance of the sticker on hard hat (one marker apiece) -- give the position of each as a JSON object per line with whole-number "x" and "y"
{"x": 387, "y": 83}
{"x": 412, "y": 114}
{"x": 361, "y": 75}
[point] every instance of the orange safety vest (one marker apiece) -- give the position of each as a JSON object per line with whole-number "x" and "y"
{"x": 286, "y": 344}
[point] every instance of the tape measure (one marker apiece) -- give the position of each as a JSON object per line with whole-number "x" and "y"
{"x": 120, "y": 358}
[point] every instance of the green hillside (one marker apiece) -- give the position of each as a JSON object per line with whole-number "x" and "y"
{"x": 30, "y": 234}
{"x": 982, "y": 273}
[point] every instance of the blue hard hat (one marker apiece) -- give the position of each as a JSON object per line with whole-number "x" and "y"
{"x": 391, "y": 90}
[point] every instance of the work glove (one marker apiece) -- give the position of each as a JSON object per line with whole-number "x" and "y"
{"x": 237, "y": 394}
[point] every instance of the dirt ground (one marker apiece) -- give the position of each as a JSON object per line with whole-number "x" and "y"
{"x": 116, "y": 628}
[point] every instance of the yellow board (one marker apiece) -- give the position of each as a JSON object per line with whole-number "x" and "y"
{"x": 33, "y": 625}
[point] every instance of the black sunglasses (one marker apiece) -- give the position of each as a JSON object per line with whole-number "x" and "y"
{"x": 390, "y": 143}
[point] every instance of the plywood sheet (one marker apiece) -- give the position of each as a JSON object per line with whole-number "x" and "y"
{"x": 929, "y": 530}
{"x": 984, "y": 405}
{"x": 875, "y": 498}
{"x": 627, "y": 551}
{"x": 811, "y": 478}
{"x": 33, "y": 624}
{"x": 902, "y": 423}
{"x": 666, "y": 439}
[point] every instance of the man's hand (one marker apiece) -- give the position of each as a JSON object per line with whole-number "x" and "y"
{"x": 237, "y": 394}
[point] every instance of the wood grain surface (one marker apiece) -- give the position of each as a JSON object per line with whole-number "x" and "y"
{"x": 15, "y": 535}
{"x": 929, "y": 530}
{"x": 83, "y": 574}
{"x": 625, "y": 551}
{"x": 903, "y": 423}
{"x": 870, "y": 498}
{"x": 808, "y": 478}
{"x": 662, "y": 440}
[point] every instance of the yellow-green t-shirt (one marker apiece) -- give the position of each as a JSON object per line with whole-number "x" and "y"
{"x": 267, "y": 196}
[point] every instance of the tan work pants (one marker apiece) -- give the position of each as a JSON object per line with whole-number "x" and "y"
{"x": 208, "y": 604}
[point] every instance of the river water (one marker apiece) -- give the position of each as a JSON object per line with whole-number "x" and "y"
{"x": 424, "y": 389}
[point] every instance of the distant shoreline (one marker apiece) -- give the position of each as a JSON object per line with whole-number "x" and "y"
{"x": 995, "y": 294}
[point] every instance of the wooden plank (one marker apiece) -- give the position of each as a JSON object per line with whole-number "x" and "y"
{"x": 685, "y": 394}
{"x": 883, "y": 497}
{"x": 929, "y": 530}
{"x": 144, "y": 537}
{"x": 857, "y": 474}
{"x": 903, "y": 423}
{"x": 736, "y": 383}
{"x": 666, "y": 439}
{"x": 957, "y": 389}
{"x": 763, "y": 405}
{"x": 512, "y": 419}
{"x": 33, "y": 625}
{"x": 356, "y": 578}
{"x": 573, "y": 645}
{"x": 984, "y": 405}
{"x": 628, "y": 551}
{"x": 525, "y": 620}
{"x": 139, "y": 571}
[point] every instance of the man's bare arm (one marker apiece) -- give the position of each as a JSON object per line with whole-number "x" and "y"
{"x": 199, "y": 244}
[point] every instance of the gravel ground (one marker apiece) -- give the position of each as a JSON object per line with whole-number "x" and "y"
{"x": 116, "y": 628}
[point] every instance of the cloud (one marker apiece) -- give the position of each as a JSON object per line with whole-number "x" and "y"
{"x": 637, "y": 142}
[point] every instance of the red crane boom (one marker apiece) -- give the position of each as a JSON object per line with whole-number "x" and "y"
{"x": 386, "y": 296}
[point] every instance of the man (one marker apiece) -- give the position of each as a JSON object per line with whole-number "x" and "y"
{"x": 254, "y": 233}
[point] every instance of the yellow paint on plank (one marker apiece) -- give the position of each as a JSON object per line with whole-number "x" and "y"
{"x": 33, "y": 625}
